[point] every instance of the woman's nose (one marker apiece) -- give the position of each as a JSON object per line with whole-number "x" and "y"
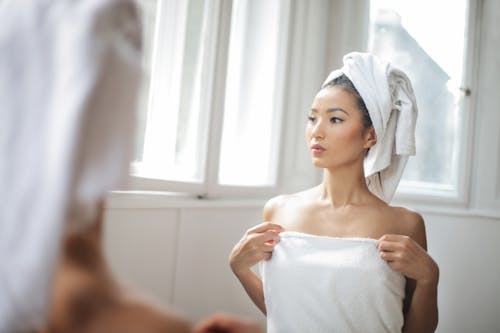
{"x": 318, "y": 129}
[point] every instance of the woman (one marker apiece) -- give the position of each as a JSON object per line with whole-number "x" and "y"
{"x": 343, "y": 259}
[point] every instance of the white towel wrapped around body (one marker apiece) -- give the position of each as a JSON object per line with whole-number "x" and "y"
{"x": 327, "y": 284}
{"x": 389, "y": 98}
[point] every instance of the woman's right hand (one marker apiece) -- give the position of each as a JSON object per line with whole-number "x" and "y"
{"x": 256, "y": 244}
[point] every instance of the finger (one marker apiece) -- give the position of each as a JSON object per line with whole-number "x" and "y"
{"x": 397, "y": 266}
{"x": 389, "y": 256}
{"x": 269, "y": 236}
{"x": 264, "y": 227}
{"x": 392, "y": 238}
{"x": 262, "y": 253}
{"x": 389, "y": 246}
{"x": 266, "y": 247}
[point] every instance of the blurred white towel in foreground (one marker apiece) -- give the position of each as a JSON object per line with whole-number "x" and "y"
{"x": 69, "y": 73}
{"x": 327, "y": 285}
{"x": 389, "y": 98}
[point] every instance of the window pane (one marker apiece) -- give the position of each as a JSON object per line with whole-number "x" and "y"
{"x": 251, "y": 130}
{"x": 429, "y": 46}
{"x": 174, "y": 144}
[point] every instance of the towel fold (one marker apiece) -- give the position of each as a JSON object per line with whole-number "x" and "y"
{"x": 389, "y": 98}
{"x": 327, "y": 284}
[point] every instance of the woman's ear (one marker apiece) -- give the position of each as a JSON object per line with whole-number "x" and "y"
{"x": 370, "y": 137}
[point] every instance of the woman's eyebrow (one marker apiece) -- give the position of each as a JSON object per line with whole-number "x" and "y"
{"x": 331, "y": 110}
{"x": 337, "y": 109}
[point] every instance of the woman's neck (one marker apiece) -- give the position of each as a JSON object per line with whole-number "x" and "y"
{"x": 344, "y": 186}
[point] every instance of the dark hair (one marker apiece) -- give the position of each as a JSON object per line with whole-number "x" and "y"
{"x": 346, "y": 84}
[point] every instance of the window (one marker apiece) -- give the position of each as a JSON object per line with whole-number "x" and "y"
{"x": 213, "y": 113}
{"x": 429, "y": 45}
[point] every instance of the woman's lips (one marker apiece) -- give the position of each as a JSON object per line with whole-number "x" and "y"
{"x": 317, "y": 149}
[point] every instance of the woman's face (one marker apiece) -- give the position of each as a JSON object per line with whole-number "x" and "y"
{"x": 335, "y": 133}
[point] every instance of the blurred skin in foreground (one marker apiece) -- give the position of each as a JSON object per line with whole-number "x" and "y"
{"x": 86, "y": 298}
{"x": 227, "y": 323}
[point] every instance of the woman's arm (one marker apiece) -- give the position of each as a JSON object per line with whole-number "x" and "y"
{"x": 253, "y": 286}
{"x": 409, "y": 257}
{"x": 422, "y": 315}
{"x": 256, "y": 244}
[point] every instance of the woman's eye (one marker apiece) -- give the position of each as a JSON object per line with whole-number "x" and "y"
{"x": 311, "y": 119}
{"x": 335, "y": 120}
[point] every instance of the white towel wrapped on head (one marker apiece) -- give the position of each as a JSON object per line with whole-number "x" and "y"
{"x": 388, "y": 95}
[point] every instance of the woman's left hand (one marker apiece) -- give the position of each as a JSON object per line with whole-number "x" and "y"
{"x": 407, "y": 257}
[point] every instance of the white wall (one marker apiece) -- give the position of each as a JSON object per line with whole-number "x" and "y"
{"x": 176, "y": 250}
{"x": 466, "y": 249}
{"x": 179, "y": 255}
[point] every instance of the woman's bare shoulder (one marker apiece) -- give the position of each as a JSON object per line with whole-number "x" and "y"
{"x": 272, "y": 205}
{"x": 410, "y": 223}
{"x": 276, "y": 203}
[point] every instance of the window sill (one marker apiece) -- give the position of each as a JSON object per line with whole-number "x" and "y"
{"x": 161, "y": 199}
{"x": 168, "y": 200}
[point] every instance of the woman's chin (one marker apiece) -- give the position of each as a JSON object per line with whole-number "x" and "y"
{"x": 318, "y": 163}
